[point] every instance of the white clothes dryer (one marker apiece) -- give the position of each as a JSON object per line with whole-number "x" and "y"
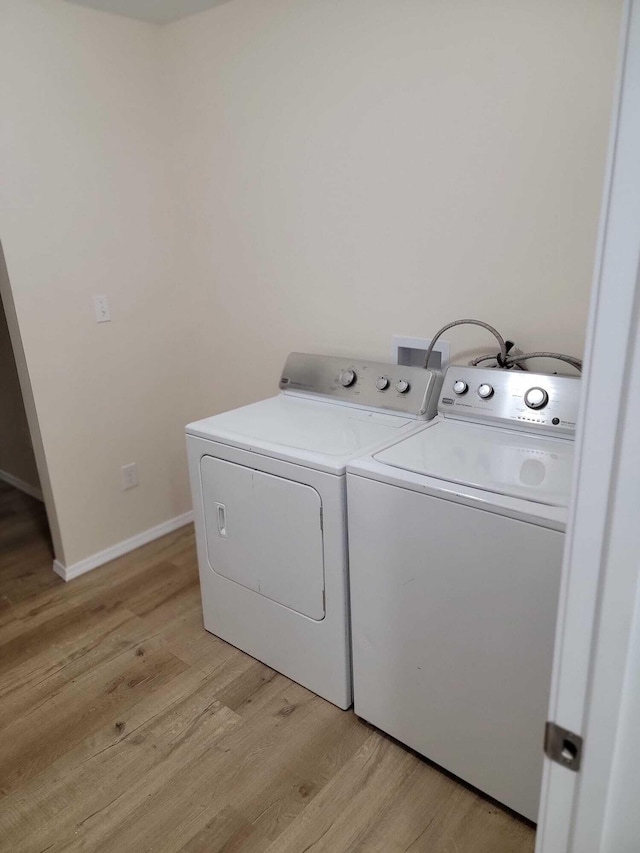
{"x": 269, "y": 495}
{"x": 456, "y": 538}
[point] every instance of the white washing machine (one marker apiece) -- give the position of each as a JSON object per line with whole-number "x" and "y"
{"x": 269, "y": 496}
{"x": 455, "y": 539}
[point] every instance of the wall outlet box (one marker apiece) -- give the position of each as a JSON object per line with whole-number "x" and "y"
{"x": 411, "y": 352}
{"x": 129, "y": 476}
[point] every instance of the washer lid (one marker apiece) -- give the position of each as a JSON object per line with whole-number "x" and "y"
{"x": 319, "y": 434}
{"x": 496, "y": 460}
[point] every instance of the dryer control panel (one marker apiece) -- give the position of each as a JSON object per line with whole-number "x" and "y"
{"x": 411, "y": 391}
{"x": 537, "y": 402}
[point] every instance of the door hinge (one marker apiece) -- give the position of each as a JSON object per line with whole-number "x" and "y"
{"x": 562, "y": 746}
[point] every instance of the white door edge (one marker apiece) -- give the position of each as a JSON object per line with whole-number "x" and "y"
{"x": 573, "y": 807}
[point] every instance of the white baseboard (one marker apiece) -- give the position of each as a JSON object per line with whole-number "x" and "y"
{"x": 20, "y": 484}
{"x": 68, "y": 573}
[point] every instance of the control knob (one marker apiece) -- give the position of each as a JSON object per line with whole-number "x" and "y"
{"x": 485, "y": 391}
{"x": 402, "y": 386}
{"x": 382, "y": 383}
{"x": 536, "y": 398}
{"x": 347, "y": 377}
{"x": 460, "y": 387}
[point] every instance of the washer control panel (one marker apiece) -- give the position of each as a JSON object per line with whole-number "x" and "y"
{"x": 411, "y": 391}
{"x": 516, "y": 398}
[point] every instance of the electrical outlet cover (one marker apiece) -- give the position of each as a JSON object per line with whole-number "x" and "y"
{"x": 101, "y": 308}
{"x": 129, "y": 476}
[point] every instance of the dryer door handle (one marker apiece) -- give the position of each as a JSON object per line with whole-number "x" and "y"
{"x": 221, "y": 512}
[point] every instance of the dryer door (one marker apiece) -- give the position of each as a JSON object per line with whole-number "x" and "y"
{"x": 265, "y": 533}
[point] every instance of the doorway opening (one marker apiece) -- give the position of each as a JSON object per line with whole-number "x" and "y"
{"x": 29, "y": 538}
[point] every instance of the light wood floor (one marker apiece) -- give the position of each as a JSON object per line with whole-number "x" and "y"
{"x": 124, "y": 726}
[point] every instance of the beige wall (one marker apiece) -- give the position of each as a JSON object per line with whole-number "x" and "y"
{"x": 275, "y": 175}
{"x": 360, "y": 168}
{"x": 86, "y": 209}
{"x": 16, "y": 451}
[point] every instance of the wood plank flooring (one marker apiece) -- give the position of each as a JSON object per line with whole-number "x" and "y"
{"x": 124, "y": 726}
